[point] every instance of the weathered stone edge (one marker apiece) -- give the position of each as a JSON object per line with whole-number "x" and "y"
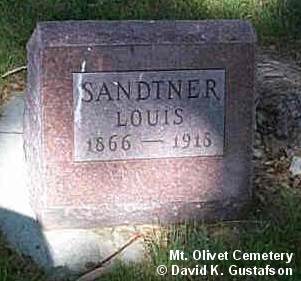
{"x": 53, "y": 34}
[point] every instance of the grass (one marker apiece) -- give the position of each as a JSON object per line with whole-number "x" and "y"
{"x": 275, "y": 20}
{"x": 14, "y": 267}
{"x": 275, "y": 228}
{"x": 272, "y": 18}
{"x": 274, "y": 223}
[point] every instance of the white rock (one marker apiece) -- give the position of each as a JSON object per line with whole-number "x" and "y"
{"x": 295, "y": 167}
{"x": 257, "y": 153}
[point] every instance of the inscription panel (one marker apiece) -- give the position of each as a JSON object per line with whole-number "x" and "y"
{"x": 148, "y": 114}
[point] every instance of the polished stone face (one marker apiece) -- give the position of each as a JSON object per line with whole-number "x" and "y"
{"x": 148, "y": 114}
{"x": 134, "y": 122}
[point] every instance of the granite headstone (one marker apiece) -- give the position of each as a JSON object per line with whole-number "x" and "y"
{"x": 130, "y": 122}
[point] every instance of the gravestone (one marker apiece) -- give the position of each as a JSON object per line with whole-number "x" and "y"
{"x": 132, "y": 122}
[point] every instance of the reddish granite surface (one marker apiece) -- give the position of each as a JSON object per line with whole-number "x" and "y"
{"x": 65, "y": 193}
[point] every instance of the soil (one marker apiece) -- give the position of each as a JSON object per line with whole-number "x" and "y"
{"x": 278, "y": 121}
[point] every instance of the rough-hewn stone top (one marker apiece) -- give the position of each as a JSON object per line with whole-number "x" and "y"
{"x": 92, "y": 33}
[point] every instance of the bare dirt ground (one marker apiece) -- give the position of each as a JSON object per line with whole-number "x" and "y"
{"x": 278, "y": 120}
{"x": 14, "y": 83}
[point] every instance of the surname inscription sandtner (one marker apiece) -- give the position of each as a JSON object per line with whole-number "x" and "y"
{"x": 148, "y": 114}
